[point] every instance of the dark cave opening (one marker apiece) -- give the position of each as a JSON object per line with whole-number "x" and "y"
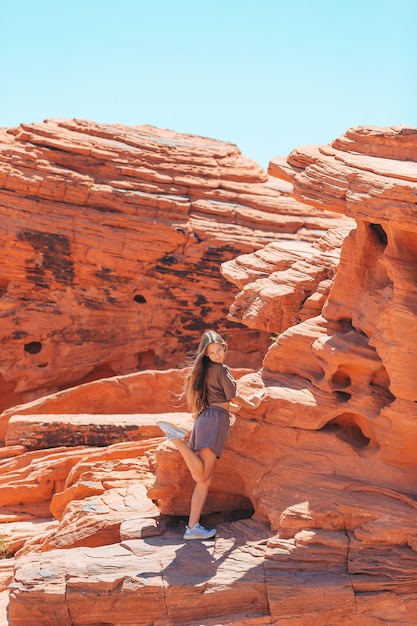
{"x": 380, "y": 234}
{"x": 34, "y": 347}
{"x": 244, "y": 510}
{"x": 345, "y": 428}
{"x": 146, "y": 360}
{"x": 343, "y": 396}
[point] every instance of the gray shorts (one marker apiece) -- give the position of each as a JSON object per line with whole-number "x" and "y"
{"x": 210, "y": 430}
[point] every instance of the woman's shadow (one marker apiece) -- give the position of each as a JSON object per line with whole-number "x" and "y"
{"x": 195, "y": 562}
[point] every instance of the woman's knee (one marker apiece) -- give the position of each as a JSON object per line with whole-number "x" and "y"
{"x": 203, "y": 476}
{"x": 206, "y": 476}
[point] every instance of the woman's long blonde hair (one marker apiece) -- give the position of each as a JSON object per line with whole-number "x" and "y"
{"x": 195, "y": 388}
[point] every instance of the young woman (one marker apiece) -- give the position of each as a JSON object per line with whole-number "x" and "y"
{"x": 209, "y": 388}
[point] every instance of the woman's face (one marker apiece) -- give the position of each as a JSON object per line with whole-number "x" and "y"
{"x": 216, "y": 352}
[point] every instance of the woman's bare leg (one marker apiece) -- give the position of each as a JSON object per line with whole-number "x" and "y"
{"x": 201, "y": 465}
{"x": 201, "y": 488}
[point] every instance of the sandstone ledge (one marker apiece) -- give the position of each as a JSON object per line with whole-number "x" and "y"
{"x": 40, "y": 431}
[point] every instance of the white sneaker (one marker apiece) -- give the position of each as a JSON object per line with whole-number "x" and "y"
{"x": 171, "y": 431}
{"x": 198, "y": 532}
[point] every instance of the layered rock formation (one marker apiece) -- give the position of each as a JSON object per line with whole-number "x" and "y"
{"x": 315, "y": 496}
{"x": 323, "y": 442}
{"x": 112, "y": 238}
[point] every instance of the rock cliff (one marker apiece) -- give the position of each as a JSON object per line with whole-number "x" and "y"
{"x": 315, "y": 496}
{"x": 112, "y": 238}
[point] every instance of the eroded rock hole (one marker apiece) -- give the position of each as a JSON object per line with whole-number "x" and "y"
{"x": 34, "y": 347}
{"x": 345, "y": 428}
{"x": 146, "y": 360}
{"x": 380, "y": 384}
{"x": 346, "y": 325}
{"x": 342, "y": 396}
{"x": 341, "y": 379}
{"x": 103, "y": 370}
{"x": 139, "y": 299}
{"x": 3, "y": 287}
{"x": 243, "y": 510}
{"x": 380, "y": 378}
{"x": 380, "y": 234}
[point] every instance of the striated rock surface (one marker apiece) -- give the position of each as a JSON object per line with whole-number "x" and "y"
{"x": 148, "y": 392}
{"x": 46, "y": 431}
{"x": 315, "y": 496}
{"x": 323, "y": 442}
{"x": 285, "y": 282}
{"x": 112, "y": 240}
{"x": 147, "y": 582}
{"x": 340, "y": 390}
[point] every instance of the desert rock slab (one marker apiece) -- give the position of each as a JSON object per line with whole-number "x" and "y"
{"x": 160, "y": 580}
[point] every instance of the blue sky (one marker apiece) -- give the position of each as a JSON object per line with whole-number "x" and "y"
{"x": 268, "y": 75}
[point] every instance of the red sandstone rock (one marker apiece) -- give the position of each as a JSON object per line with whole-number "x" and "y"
{"x": 28, "y": 482}
{"x": 18, "y": 534}
{"x": 6, "y": 574}
{"x": 284, "y": 283}
{"x": 92, "y": 584}
{"x": 47, "y": 431}
{"x": 149, "y": 392}
{"x": 12, "y": 451}
{"x": 322, "y": 448}
{"x": 4, "y": 607}
{"x": 112, "y": 241}
{"x": 96, "y": 520}
{"x": 332, "y": 412}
